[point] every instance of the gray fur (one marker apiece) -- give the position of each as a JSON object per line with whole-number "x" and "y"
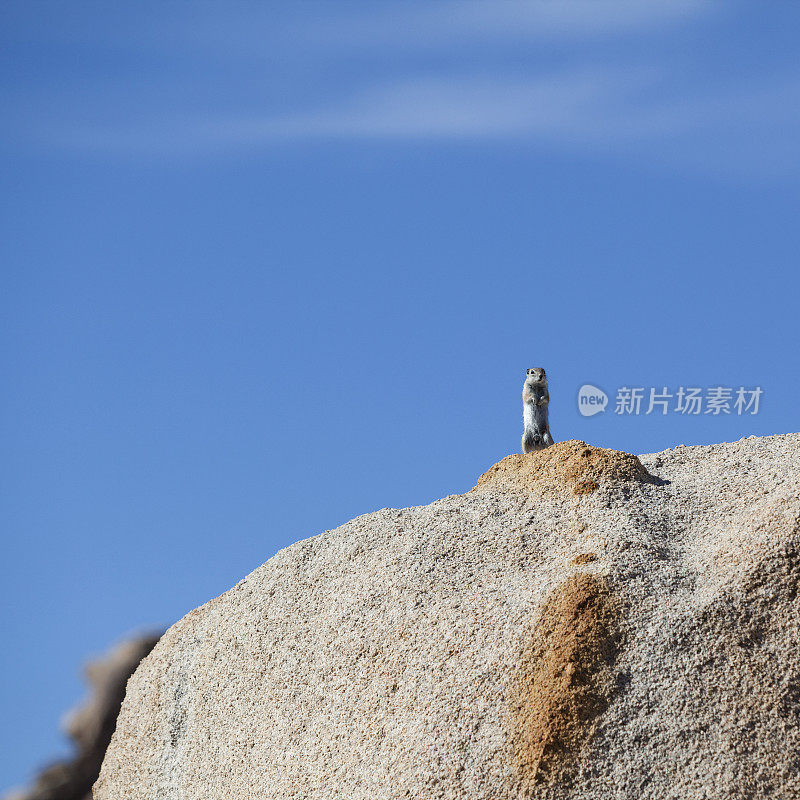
{"x": 535, "y": 399}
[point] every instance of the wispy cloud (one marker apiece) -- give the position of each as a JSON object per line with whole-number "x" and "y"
{"x": 459, "y": 107}
{"x": 631, "y": 100}
{"x": 255, "y": 30}
{"x": 591, "y": 110}
{"x": 528, "y": 20}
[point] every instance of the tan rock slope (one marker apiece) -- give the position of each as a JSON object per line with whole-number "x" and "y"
{"x": 582, "y": 624}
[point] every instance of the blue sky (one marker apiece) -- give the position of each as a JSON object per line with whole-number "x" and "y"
{"x": 270, "y": 266}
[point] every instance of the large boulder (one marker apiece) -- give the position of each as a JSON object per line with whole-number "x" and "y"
{"x": 90, "y": 725}
{"x": 581, "y": 624}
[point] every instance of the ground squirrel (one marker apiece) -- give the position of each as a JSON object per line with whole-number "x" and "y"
{"x": 535, "y": 398}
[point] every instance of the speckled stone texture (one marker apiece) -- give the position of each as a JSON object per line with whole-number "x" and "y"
{"x": 579, "y": 625}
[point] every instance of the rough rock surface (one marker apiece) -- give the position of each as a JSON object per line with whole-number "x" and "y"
{"x": 582, "y": 624}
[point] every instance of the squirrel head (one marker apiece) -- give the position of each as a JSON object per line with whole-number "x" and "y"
{"x": 536, "y": 375}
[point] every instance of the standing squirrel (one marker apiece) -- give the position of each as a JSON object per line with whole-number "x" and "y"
{"x": 535, "y": 399}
